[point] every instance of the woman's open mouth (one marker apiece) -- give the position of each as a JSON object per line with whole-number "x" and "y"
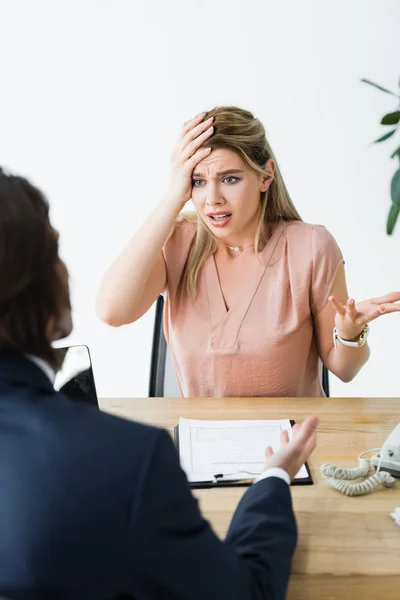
{"x": 219, "y": 219}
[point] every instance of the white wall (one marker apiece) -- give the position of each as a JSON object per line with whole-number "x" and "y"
{"x": 93, "y": 94}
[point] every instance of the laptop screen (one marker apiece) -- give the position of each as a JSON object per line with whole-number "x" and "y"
{"x": 75, "y": 377}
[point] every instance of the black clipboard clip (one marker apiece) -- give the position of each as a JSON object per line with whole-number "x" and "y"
{"x": 219, "y": 478}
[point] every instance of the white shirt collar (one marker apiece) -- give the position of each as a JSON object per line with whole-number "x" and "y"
{"x": 44, "y": 366}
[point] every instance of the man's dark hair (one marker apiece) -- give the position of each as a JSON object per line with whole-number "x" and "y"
{"x": 33, "y": 281}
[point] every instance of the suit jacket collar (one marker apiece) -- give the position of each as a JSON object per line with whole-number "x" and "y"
{"x": 17, "y": 370}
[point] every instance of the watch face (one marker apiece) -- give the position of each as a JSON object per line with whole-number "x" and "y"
{"x": 363, "y": 336}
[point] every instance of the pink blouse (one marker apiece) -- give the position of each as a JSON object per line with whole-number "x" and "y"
{"x": 264, "y": 344}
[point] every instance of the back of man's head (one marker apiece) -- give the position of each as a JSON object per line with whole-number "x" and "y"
{"x": 33, "y": 280}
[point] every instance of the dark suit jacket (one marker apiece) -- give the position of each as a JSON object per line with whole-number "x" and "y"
{"x": 96, "y": 507}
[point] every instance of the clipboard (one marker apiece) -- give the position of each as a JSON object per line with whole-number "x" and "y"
{"x": 211, "y": 484}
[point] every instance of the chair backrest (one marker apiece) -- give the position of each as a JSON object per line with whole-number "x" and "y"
{"x": 163, "y": 382}
{"x": 325, "y": 380}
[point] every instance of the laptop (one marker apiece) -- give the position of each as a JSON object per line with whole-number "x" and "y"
{"x": 74, "y": 377}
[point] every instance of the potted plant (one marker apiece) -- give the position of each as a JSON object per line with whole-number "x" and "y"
{"x": 392, "y": 119}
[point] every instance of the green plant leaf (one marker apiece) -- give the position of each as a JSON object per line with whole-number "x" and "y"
{"x": 391, "y": 118}
{"x": 385, "y": 137}
{"x": 395, "y": 188}
{"x": 396, "y": 153}
{"x": 379, "y": 87}
{"x": 392, "y": 218}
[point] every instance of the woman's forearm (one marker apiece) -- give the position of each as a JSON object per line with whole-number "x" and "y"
{"x": 121, "y": 294}
{"x": 345, "y": 362}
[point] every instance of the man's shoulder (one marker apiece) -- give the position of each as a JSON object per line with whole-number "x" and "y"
{"x": 75, "y": 413}
{"x": 84, "y": 430}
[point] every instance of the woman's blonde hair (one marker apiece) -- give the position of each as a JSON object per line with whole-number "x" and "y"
{"x": 238, "y": 130}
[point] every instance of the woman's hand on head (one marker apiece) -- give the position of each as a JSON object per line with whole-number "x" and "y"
{"x": 351, "y": 318}
{"x": 186, "y": 156}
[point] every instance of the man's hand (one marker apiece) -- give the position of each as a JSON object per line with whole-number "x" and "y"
{"x": 294, "y": 453}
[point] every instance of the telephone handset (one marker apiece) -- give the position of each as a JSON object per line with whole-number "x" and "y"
{"x": 388, "y": 458}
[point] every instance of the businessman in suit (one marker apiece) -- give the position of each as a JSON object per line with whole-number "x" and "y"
{"x": 95, "y": 507}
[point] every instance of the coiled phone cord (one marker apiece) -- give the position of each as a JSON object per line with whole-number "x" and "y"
{"x": 339, "y": 478}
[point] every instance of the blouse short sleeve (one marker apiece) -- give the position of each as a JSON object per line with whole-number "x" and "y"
{"x": 327, "y": 258}
{"x": 176, "y": 250}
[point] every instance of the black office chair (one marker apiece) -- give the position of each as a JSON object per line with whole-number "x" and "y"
{"x": 163, "y": 382}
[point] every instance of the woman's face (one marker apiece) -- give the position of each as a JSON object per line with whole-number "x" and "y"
{"x": 226, "y": 194}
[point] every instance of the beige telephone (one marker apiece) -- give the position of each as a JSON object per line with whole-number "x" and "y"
{"x": 388, "y": 458}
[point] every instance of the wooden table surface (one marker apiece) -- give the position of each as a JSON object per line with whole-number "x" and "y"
{"x": 348, "y": 547}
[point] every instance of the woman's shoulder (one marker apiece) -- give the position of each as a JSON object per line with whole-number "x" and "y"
{"x": 314, "y": 235}
{"x": 302, "y": 229}
{"x": 312, "y": 244}
{"x": 309, "y": 244}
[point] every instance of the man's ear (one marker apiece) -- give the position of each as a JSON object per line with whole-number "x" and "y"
{"x": 60, "y": 328}
{"x": 269, "y": 174}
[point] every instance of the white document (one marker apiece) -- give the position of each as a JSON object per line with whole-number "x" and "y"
{"x": 231, "y": 449}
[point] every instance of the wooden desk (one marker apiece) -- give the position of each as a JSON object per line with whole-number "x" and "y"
{"x": 349, "y": 548}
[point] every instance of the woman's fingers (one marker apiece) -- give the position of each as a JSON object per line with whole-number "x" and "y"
{"x": 193, "y": 146}
{"x": 388, "y": 308}
{"x": 340, "y": 309}
{"x": 191, "y": 124}
{"x": 197, "y": 157}
{"x": 391, "y": 297}
{"x": 351, "y": 308}
{"x": 194, "y": 133}
{"x": 376, "y": 311}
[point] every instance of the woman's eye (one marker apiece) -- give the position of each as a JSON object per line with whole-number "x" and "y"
{"x": 231, "y": 180}
{"x": 197, "y": 182}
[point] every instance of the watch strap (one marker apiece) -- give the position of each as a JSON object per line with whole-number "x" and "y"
{"x": 356, "y": 344}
